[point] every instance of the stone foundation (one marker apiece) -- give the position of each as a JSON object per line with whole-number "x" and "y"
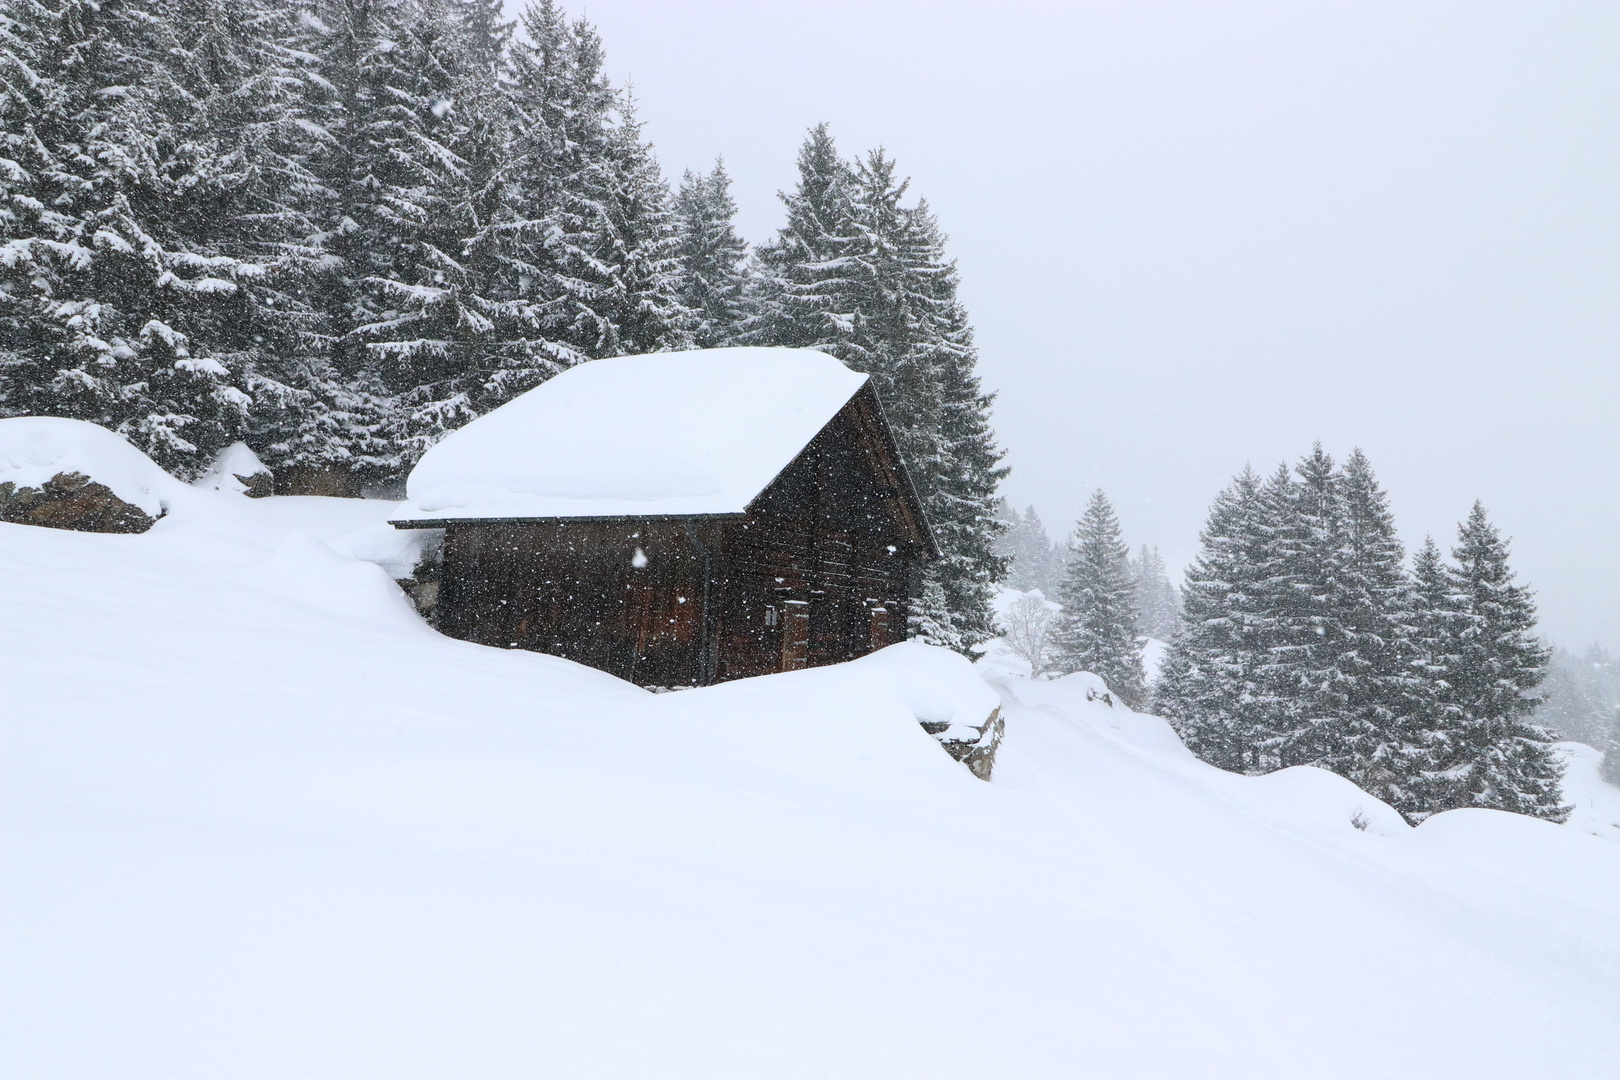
{"x": 973, "y": 746}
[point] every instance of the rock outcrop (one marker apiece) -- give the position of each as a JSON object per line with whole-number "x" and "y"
{"x": 973, "y": 745}
{"x": 238, "y": 469}
{"x": 71, "y": 500}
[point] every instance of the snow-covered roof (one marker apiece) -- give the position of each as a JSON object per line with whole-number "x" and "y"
{"x": 686, "y": 433}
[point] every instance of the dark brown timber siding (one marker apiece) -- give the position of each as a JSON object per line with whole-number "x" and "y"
{"x": 818, "y": 571}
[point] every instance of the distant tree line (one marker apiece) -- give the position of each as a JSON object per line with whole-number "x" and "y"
{"x": 339, "y": 229}
{"x": 1109, "y": 601}
{"x": 1307, "y": 641}
{"x": 1581, "y": 702}
{"x": 1303, "y": 638}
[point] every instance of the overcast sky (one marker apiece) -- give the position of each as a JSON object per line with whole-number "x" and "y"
{"x": 1197, "y": 234}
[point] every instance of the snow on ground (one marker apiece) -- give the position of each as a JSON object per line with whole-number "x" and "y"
{"x": 258, "y": 821}
{"x": 236, "y": 463}
{"x": 33, "y": 449}
{"x": 1596, "y": 803}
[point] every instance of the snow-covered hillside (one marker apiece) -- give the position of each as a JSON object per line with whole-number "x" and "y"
{"x": 260, "y": 822}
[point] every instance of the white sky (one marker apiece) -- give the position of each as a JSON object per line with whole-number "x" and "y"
{"x": 1232, "y": 228}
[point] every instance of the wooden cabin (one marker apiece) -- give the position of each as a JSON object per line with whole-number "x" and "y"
{"x": 678, "y": 519}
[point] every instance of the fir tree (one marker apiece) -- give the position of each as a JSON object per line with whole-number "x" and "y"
{"x": 1033, "y": 561}
{"x": 715, "y": 283}
{"x": 807, "y": 292}
{"x": 1435, "y": 634}
{"x": 856, "y": 273}
{"x": 1210, "y": 686}
{"x": 1379, "y": 748}
{"x": 1157, "y": 603}
{"x": 1611, "y": 750}
{"x": 961, "y": 504}
{"x": 1305, "y": 673}
{"x": 152, "y": 202}
{"x": 1490, "y": 753}
{"x": 1097, "y": 631}
{"x": 1580, "y": 695}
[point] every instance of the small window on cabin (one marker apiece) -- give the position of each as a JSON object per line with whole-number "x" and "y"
{"x": 770, "y": 616}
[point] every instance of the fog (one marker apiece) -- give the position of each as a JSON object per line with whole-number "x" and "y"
{"x": 1193, "y": 235}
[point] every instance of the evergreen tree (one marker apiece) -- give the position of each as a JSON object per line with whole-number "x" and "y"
{"x": 152, "y": 205}
{"x": 495, "y": 217}
{"x": 1097, "y": 631}
{"x": 1429, "y": 700}
{"x": 715, "y": 283}
{"x": 808, "y": 294}
{"x": 856, "y": 273}
{"x": 1379, "y": 749}
{"x": 1490, "y": 753}
{"x": 1033, "y": 561}
{"x": 961, "y": 503}
{"x": 1157, "y": 602}
{"x": 416, "y": 133}
{"x": 1210, "y": 686}
{"x": 1306, "y": 673}
{"x": 1580, "y": 695}
{"x": 1611, "y": 750}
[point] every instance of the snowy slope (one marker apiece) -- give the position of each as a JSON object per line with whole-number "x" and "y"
{"x": 257, "y": 821}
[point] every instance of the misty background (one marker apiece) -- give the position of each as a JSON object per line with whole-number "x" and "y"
{"x": 1194, "y": 235}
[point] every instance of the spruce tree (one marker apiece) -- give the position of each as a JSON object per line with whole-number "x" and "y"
{"x": 1380, "y": 750}
{"x": 1429, "y": 700}
{"x": 807, "y": 294}
{"x": 154, "y": 209}
{"x": 495, "y": 215}
{"x": 1157, "y": 602}
{"x": 1032, "y": 560}
{"x": 715, "y": 283}
{"x": 1211, "y": 685}
{"x": 961, "y": 504}
{"x": 1611, "y": 750}
{"x": 1579, "y": 695}
{"x": 858, "y": 274}
{"x": 1097, "y": 631}
{"x": 1306, "y": 674}
{"x": 1490, "y": 753}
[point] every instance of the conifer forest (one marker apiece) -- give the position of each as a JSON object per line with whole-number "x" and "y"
{"x": 866, "y": 539}
{"x": 338, "y": 231}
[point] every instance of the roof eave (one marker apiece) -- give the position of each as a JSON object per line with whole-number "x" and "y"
{"x": 441, "y": 523}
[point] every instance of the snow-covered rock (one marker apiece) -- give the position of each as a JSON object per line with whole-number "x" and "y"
{"x": 239, "y": 470}
{"x": 36, "y": 449}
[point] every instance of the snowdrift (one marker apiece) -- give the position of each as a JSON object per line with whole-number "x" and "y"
{"x": 260, "y": 821}
{"x": 36, "y": 449}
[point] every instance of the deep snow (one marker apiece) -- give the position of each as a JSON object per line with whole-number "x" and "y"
{"x": 260, "y": 822}
{"x": 696, "y": 432}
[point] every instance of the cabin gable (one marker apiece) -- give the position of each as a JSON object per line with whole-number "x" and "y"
{"x": 813, "y": 566}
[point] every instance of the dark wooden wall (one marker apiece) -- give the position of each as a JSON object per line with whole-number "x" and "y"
{"x": 817, "y": 572}
{"x": 826, "y": 554}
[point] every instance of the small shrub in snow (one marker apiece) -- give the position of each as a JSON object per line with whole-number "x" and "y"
{"x": 1026, "y": 629}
